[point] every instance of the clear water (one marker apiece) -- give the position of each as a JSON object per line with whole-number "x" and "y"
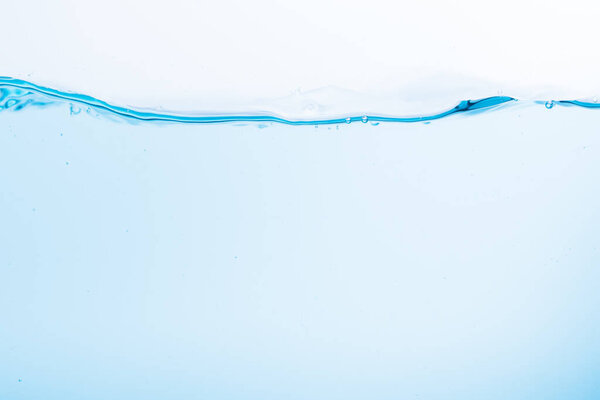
{"x": 452, "y": 258}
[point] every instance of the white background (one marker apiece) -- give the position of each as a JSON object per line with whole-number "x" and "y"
{"x": 227, "y": 55}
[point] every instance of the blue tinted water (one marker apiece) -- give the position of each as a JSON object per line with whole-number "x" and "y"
{"x": 16, "y": 94}
{"x": 456, "y": 259}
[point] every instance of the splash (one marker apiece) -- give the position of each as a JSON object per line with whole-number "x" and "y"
{"x": 16, "y": 94}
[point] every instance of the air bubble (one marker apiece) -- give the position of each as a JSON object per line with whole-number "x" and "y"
{"x": 10, "y": 103}
{"x": 549, "y": 104}
{"x": 348, "y": 120}
{"x": 75, "y": 110}
{"x": 365, "y": 119}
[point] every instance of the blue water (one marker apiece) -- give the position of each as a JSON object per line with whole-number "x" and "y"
{"x": 17, "y": 94}
{"x": 265, "y": 258}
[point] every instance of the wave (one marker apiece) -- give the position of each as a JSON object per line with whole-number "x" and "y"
{"x": 16, "y": 94}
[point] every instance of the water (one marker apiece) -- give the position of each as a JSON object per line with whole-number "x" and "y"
{"x": 17, "y": 94}
{"x": 158, "y": 256}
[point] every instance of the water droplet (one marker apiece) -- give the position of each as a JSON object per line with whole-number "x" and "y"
{"x": 549, "y": 104}
{"x": 365, "y": 119}
{"x": 75, "y": 110}
{"x": 348, "y": 120}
